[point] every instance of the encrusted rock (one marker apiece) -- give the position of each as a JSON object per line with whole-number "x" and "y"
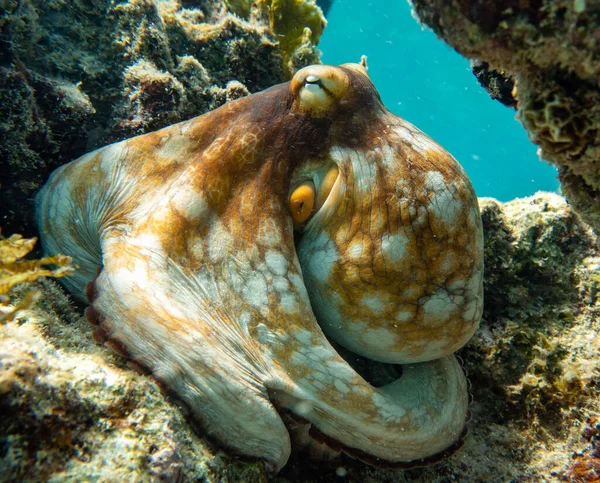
{"x": 72, "y": 411}
{"x": 550, "y": 49}
{"x": 78, "y": 75}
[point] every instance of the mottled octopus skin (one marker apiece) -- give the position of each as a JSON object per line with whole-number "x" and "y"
{"x": 204, "y": 285}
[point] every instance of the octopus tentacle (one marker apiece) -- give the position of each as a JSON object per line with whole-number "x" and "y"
{"x": 193, "y": 348}
{"x": 419, "y": 415}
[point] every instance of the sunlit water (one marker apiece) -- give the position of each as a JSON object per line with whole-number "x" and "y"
{"x": 424, "y": 81}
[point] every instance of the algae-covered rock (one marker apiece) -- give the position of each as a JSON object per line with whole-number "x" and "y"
{"x": 77, "y": 75}
{"x": 297, "y": 24}
{"x": 77, "y": 412}
{"x": 72, "y": 411}
{"x": 548, "y": 50}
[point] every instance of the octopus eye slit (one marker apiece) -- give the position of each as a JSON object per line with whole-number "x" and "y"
{"x": 313, "y": 84}
{"x": 312, "y": 79}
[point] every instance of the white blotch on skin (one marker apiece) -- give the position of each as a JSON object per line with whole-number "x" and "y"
{"x": 324, "y": 255}
{"x": 378, "y": 338}
{"x": 340, "y": 386}
{"x": 404, "y": 316}
{"x": 148, "y": 241}
{"x": 442, "y": 204}
{"x": 220, "y": 243}
{"x": 437, "y": 307}
{"x": 304, "y": 337}
{"x": 355, "y": 250}
{"x": 175, "y": 148}
{"x": 289, "y": 303}
{"x": 321, "y": 377}
{"x": 448, "y": 263}
{"x": 434, "y": 181}
{"x": 393, "y": 248}
{"x": 276, "y": 262}
{"x": 375, "y": 304}
{"x": 191, "y": 204}
{"x": 281, "y": 284}
{"x": 389, "y": 157}
{"x": 457, "y": 285}
{"x": 255, "y": 291}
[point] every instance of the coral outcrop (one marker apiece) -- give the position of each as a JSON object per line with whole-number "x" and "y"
{"x": 77, "y": 75}
{"x": 549, "y": 49}
{"x": 77, "y": 411}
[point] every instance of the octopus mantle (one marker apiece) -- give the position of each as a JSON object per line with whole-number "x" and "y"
{"x": 243, "y": 251}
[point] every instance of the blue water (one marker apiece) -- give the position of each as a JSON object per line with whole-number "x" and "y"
{"x": 426, "y": 82}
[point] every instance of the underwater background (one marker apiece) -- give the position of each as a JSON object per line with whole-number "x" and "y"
{"x": 78, "y": 75}
{"x": 426, "y": 82}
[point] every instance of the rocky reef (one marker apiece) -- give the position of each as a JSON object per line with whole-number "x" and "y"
{"x": 77, "y": 411}
{"x": 78, "y": 75}
{"x": 547, "y": 51}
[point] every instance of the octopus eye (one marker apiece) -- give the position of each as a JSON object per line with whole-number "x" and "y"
{"x": 313, "y": 96}
{"x": 313, "y": 84}
{"x": 309, "y": 197}
{"x": 302, "y": 201}
{"x": 318, "y": 88}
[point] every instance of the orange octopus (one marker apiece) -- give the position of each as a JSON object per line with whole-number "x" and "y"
{"x": 264, "y": 260}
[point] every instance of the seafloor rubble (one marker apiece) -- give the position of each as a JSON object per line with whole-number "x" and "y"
{"x": 77, "y": 75}
{"x": 74, "y": 410}
{"x": 548, "y": 50}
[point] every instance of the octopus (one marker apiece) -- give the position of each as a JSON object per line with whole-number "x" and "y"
{"x": 296, "y": 265}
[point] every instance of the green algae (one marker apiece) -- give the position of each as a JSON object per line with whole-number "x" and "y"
{"x": 296, "y": 24}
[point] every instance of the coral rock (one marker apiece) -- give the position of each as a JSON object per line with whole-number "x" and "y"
{"x": 550, "y": 49}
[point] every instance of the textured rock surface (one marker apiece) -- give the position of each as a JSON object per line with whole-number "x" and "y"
{"x": 77, "y": 411}
{"x": 77, "y": 75}
{"x": 550, "y": 49}
{"x": 72, "y": 410}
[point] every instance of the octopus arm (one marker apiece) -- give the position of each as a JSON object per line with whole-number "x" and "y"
{"x": 174, "y": 326}
{"x": 418, "y": 418}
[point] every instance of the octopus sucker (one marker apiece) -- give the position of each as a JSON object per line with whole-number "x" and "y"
{"x": 246, "y": 258}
